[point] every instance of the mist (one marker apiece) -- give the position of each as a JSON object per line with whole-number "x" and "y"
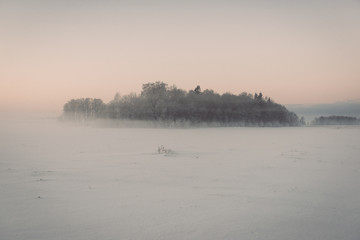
{"x": 312, "y": 111}
{"x": 236, "y": 162}
{"x": 71, "y": 180}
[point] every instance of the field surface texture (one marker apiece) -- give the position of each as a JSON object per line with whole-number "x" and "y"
{"x": 60, "y": 181}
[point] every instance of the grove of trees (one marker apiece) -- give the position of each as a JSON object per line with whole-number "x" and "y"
{"x": 160, "y": 102}
{"x": 84, "y": 109}
{"x": 336, "y": 120}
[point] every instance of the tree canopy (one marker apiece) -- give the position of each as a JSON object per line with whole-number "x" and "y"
{"x": 160, "y": 102}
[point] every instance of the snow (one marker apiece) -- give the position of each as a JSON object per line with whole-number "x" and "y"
{"x": 60, "y": 181}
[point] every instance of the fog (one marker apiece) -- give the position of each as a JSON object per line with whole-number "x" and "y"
{"x": 310, "y": 112}
{"x": 72, "y": 181}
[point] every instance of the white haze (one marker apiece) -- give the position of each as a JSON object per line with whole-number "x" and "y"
{"x": 60, "y": 181}
{"x": 309, "y": 112}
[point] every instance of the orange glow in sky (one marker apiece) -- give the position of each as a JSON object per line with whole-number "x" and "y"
{"x": 293, "y": 51}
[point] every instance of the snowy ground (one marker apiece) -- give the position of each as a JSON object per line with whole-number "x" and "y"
{"x": 71, "y": 182}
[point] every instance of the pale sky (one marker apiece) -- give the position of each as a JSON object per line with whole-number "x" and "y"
{"x": 296, "y": 52}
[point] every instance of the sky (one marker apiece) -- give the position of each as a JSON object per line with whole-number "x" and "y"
{"x": 296, "y": 52}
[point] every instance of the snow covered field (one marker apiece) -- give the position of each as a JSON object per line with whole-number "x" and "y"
{"x": 59, "y": 181}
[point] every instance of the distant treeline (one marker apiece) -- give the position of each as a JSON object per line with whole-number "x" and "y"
{"x": 159, "y": 102}
{"x": 336, "y": 120}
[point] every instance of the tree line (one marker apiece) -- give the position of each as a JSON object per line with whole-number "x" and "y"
{"x": 84, "y": 109}
{"x": 336, "y": 120}
{"x": 160, "y": 102}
